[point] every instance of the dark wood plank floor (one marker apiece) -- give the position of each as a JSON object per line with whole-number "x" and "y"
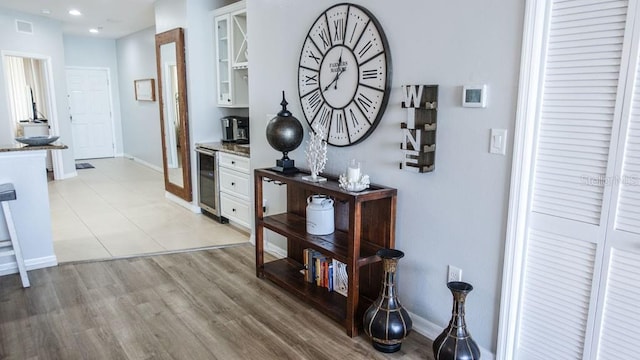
{"x": 198, "y": 305}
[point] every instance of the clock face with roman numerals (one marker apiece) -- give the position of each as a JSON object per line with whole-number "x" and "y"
{"x": 344, "y": 75}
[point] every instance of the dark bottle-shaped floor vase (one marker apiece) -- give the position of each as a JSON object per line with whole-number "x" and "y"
{"x": 455, "y": 342}
{"x": 386, "y": 322}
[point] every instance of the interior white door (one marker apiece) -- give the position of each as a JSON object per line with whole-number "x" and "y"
{"x": 578, "y": 288}
{"x": 619, "y": 299}
{"x": 90, "y": 111}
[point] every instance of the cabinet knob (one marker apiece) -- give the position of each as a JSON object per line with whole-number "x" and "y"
{"x": 234, "y": 210}
{"x": 233, "y": 162}
{"x": 233, "y": 184}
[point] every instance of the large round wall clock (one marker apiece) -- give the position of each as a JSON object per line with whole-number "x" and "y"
{"x": 344, "y": 74}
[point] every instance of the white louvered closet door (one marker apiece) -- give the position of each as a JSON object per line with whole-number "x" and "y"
{"x": 618, "y": 334}
{"x": 568, "y": 254}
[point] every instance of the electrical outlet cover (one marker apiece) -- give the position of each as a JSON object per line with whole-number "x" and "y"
{"x": 454, "y": 273}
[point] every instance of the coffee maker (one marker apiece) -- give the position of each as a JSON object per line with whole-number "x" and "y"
{"x": 235, "y": 129}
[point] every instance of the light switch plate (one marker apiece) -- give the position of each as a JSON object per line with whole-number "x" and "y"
{"x": 498, "y": 141}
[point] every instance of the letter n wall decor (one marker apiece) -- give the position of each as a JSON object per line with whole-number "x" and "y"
{"x": 419, "y": 131}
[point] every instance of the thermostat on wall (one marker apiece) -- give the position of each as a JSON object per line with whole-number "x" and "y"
{"x": 474, "y": 96}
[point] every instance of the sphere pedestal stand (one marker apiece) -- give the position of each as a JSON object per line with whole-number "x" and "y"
{"x": 285, "y": 165}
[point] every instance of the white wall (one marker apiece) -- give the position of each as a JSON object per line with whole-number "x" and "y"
{"x": 89, "y": 52}
{"x": 204, "y": 115}
{"x": 170, "y": 14}
{"x": 46, "y": 41}
{"x": 457, "y": 214}
{"x": 140, "y": 119}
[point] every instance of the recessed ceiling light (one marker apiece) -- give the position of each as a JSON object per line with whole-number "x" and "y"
{"x": 94, "y": 31}
{"x": 45, "y": 11}
{"x": 74, "y": 12}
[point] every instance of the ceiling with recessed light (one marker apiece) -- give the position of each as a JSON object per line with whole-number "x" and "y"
{"x": 112, "y": 18}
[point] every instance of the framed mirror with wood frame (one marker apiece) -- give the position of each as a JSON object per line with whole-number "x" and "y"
{"x": 174, "y": 123}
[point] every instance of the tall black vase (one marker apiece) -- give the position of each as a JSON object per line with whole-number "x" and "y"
{"x": 386, "y": 322}
{"x": 455, "y": 342}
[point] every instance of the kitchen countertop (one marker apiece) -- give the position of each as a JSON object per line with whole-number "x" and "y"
{"x": 23, "y": 147}
{"x": 231, "y": 148}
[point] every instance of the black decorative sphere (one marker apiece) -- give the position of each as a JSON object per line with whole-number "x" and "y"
{"x": 284, "y": 132}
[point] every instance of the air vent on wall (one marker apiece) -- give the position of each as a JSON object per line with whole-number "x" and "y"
{"x": 24, "y": 27}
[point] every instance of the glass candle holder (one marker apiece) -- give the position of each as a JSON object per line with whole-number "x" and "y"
{"x": 353, "y": 171}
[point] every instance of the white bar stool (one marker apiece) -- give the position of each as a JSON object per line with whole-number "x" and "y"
{"x": 8, "y": 193}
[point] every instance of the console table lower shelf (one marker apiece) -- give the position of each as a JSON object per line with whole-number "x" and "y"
{"x": 286, "y": 274}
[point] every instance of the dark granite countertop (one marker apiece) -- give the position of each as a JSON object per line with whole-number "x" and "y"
{"x": 231, "y": 148}
{"x": 23, "y": 147}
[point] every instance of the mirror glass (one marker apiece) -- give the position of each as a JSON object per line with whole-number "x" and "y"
{"x": 173, "y": 112}
{"x": 170, "y": 111}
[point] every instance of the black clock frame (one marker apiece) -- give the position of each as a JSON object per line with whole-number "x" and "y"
{"x": 388, "y": 68}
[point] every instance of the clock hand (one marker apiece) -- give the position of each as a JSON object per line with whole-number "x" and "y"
{"x": 340, "y": 71}
{"x": 333, "y": 81}
{"x": 335, "y": 86}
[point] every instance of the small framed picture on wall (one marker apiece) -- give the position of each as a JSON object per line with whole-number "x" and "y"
{"x": 145, "y": 89}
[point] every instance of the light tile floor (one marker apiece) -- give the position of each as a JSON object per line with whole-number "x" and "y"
{"x": 119, "y": 209}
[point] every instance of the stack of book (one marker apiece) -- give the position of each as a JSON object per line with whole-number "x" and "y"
{"x": 325, "y": 272}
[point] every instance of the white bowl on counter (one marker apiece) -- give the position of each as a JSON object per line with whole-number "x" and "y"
{"x": 37, "y": 140}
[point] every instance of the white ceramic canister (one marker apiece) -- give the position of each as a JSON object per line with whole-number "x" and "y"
{"x": 320, "y": 215}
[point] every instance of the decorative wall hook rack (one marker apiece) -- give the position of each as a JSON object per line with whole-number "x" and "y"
{"x": 419, "y": 131}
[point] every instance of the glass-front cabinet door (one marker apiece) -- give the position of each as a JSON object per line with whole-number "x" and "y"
{"x": 223, "y": 62}
{"x": 232, "y": 55}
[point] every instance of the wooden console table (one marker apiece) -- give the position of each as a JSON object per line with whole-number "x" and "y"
{"x": 364, "y": 221}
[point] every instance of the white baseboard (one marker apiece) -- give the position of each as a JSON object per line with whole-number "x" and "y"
{"x": 30, "y": 264}
{"x": 69, "y": 175}
{"x": 275, "y": 250}
{"x": 142, "y": 162}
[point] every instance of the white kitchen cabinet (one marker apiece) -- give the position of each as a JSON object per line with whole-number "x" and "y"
{"x": 232, "y": 55}
{"x": 234, "y": 188}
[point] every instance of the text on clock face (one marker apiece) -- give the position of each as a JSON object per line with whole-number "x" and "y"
{"x": 338, "y": 66}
